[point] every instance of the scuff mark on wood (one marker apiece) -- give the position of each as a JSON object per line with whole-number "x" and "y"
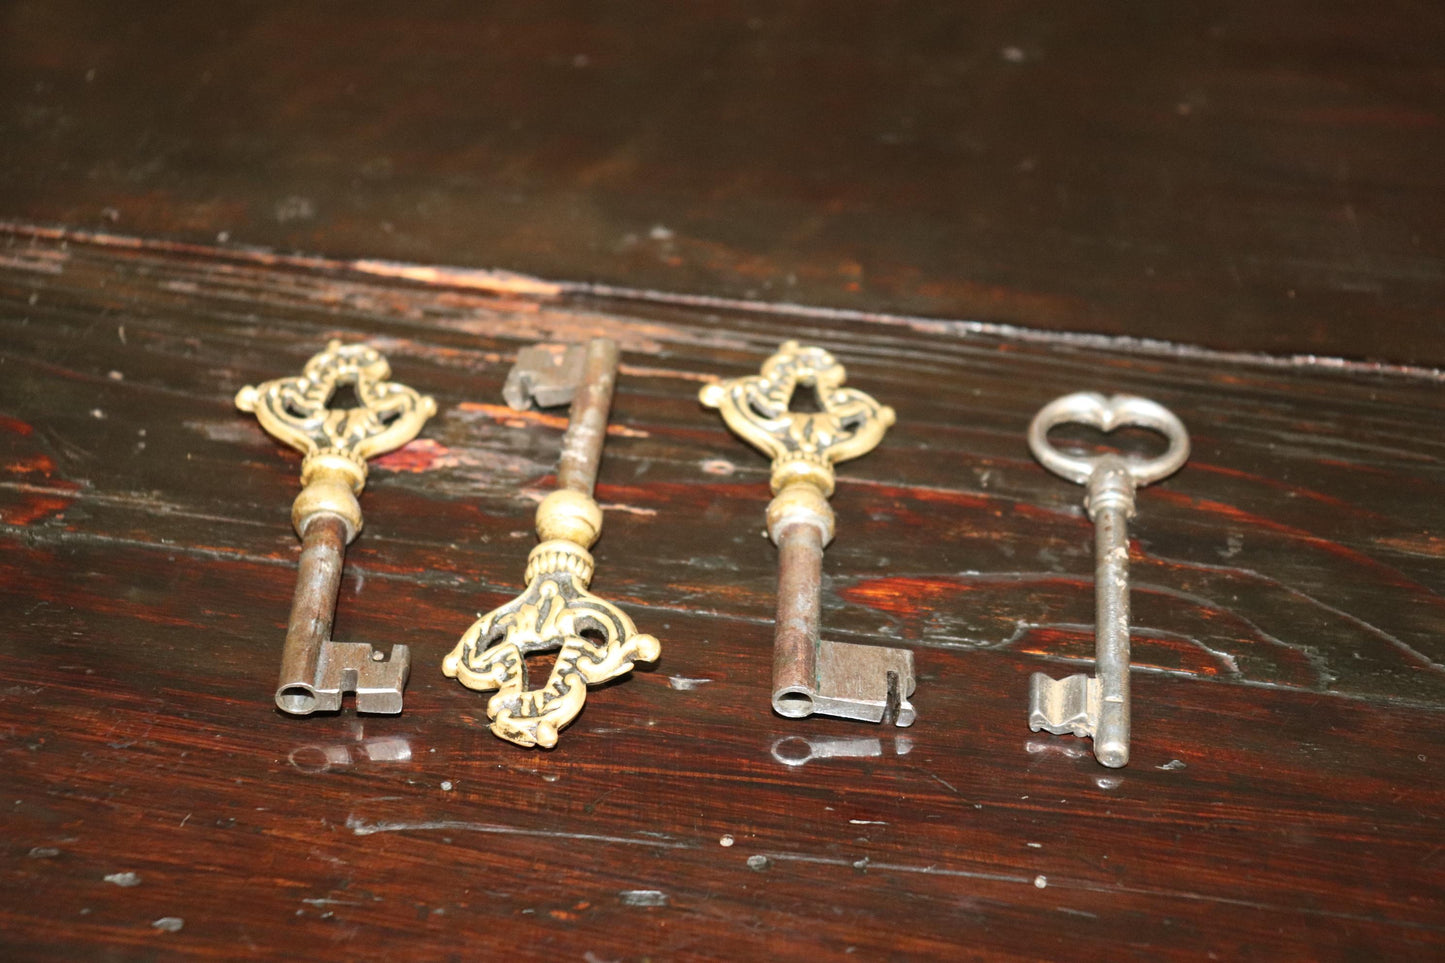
{"x": 512, "y": 418}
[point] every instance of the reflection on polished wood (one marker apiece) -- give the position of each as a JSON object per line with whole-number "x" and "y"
{"x": 1282, "y": 799}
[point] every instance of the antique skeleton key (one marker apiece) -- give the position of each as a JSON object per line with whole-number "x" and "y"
{"x": 317, "y": 671}
{"x": 1098, "y": 706}
{"x": 594, "y": 639}
{"x": 810, "y": 674}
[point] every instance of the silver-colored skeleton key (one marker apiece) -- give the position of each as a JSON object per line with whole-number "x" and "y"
{"x": 1098, "y": 706}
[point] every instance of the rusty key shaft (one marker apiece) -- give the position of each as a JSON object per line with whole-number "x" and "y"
{"x": 587, "y": 419}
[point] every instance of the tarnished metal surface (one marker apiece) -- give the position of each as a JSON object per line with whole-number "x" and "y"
{"x": 1080, "y": 704}
{"x": 544, "y": 375}
{"x": 587, "y": 421}
{"x": 812, "y": 675}
{"x": 795, "y": 639}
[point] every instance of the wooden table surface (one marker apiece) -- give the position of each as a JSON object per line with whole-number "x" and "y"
{"x": 1245, "y": 175}
{"x": 197, "y": 201}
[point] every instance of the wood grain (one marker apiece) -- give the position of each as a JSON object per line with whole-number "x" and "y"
{"x": 1245, "y": 175}
{"x": 1282, "y": 800}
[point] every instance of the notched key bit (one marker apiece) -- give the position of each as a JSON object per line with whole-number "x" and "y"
{"x": 354, "y": 667}
{"x": 866, "y": 682}
{"x": 315, "y": 670}
{"x": 546, "y": 375}
{"x": 1099, "y": 707}
{"x": 1060, "y": 706}
{"x": 812, "y": 675}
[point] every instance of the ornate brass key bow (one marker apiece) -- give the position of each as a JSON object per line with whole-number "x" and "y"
{"x": 811, "y": 674}
{"x": 316, "y": 671}
{"x": 594, "y": 639}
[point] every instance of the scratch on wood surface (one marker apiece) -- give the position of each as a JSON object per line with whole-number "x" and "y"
{"x": 647, "y": 371}
{"x": 361, "y": 827}
{"x": 1423, "y": 545}
{"x": 931, "y": 870}
{"x": 498, "y": 281}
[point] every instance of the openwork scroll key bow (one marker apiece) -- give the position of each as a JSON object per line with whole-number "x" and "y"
{"x": 336, "y": 442}
{"x": 594, "y": 639}
{"x": 811, "y": 674}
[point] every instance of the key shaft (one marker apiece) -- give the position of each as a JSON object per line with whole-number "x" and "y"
{"x": 316, "y": 671}
{"x": 1111, "y": 503}
{"x": 796, "y": 641}
{"x": 313, "y": 609}
{"x": 587, "y": 420}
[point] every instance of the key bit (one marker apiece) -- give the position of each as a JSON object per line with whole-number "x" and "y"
{"x": 1084, "y": 705}
{"x": 315, "y": 670}
{"x": 1063, "y": 705}
{"x": 870, "y": 683}
{"x": 544, "y": 375}
{"x": 594, "y": 639}
{"x": 812, "y": 675}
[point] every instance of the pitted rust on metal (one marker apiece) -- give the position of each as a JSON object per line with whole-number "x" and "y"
{"x": 316, "y": 671}
{"x": 810, "y": 674}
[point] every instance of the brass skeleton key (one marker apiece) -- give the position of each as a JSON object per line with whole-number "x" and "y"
{"x": 317, "y": 671}
{"x": 594, "y": 639}
{"x": 1098, "y": 706}
{"x": 810, "y": 674}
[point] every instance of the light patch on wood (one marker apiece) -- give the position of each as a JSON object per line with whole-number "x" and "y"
{"x": 504, "y": 282}
{"x": 504, "y": 415}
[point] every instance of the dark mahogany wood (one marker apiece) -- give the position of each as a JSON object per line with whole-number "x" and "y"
{"x": 1246, "y": 175}
{"x": 1283, "y": 800}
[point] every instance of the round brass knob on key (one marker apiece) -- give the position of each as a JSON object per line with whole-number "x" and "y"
{"x": 315, "y": 670}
